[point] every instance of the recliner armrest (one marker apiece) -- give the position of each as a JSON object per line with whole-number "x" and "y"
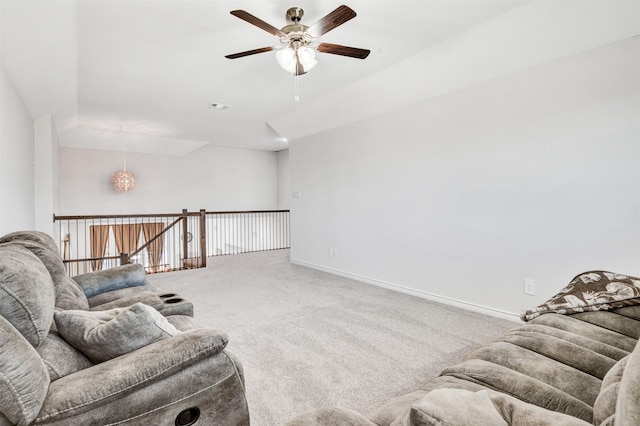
{"x": 143, "y": 296}
{"x": 101, "y": 389}
{"x": 98, "y": 282}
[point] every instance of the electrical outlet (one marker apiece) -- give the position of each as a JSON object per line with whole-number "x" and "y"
{"x": 333, "y": 252}
{"x": 529, "y": 287}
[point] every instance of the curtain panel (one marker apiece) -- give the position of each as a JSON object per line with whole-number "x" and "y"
{"x": 150, "y": 231}
{"x": 98, "y": 238}
{"x": 127, "y": 237}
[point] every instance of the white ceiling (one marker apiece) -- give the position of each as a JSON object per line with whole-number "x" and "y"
{"x": 150, "y": 69}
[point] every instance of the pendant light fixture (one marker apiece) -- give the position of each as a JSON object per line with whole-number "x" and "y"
{"x": 124, "y": 180}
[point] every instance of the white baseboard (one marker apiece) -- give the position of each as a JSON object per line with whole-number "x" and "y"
{"x": 413, "y": 292}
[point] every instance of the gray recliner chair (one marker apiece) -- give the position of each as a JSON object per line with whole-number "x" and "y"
{"x": 124, "y": 364}
{"x": 100, "y": 290}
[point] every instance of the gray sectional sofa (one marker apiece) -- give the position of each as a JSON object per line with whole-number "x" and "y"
{"x": 580, "y": 369}
{"x": 105, "y": 348}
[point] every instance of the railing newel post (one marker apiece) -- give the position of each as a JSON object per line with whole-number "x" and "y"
{"x": 203, "y": 238}
{"x": 185, "y": 242}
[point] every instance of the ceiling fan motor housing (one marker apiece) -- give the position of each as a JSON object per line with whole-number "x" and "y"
{"x": 296, "y": 32}
{"x": 294, "y": 15}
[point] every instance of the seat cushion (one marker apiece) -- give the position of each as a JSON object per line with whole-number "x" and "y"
{"x": 27, "y": 295}
{"x": 102, "y": 335}
{"x": 60, "y": 358}
{"x": 23, "y": 377}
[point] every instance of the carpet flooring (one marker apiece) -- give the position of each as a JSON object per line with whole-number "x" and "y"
{"x": 309, "y": 339}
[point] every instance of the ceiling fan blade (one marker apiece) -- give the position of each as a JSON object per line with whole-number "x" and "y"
{"x": 334, "y": 19}
{"x": 246, "y": 16}
{"x": 338, "y": 49}
{"x": 249, "y": 52}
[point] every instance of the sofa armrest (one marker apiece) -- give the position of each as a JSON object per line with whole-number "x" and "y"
{"x": 98, "y": 282}
{"x": 154, "y": 377}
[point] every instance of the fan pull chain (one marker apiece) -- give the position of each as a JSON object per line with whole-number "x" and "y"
{"x": 296, "y": 89}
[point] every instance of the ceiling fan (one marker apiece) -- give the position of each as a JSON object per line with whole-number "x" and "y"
{"x": 296, "y": 54}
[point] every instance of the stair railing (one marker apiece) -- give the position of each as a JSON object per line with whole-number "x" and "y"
{"x": 166, "y": 242}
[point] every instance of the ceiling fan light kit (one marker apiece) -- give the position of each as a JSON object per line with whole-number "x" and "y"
{"x": 297, "y": 52}
{"x": 289, "y": 58}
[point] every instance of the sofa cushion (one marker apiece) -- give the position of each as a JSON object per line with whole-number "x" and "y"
{"x": 534, "y": 390}
{"x": 601, "y": 348}
{"x": 69, "y": 295}
{"x": 560, "y": 350}
{"x": 60, "y": 358}
{"x": 587, "y": 329}
{"x": 627, "y": 407}
{"x": 615, "y": 403}
{"x": 102, "y": 335}
{"x": 26, "y": 293}
{"x": 23, "y": 377}
{"x": 564, "y": 378}
{"x": 449, "y": 407}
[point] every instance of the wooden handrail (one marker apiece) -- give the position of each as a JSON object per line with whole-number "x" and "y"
{"x": 120, "y": 216}
{"x": 89, "y": 259}
{"x": 249, "y": 211}
{"x": 142, "y": 215}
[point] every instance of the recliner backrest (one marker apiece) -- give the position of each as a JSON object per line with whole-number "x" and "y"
{"x": 68, "y": 294}
{"x": 27, "y": 297}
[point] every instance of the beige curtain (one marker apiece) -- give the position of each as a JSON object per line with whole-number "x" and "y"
{"x": 150, "y": 230}
{"x": 98, "y": 237}
{"x": 127, "y": 237}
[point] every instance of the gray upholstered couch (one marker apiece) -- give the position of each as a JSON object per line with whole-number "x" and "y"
{"x": 105, "y": 348}
{"x": 577, "y": 369}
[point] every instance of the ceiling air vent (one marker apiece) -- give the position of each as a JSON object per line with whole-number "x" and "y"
{"x": 219, "y": 106}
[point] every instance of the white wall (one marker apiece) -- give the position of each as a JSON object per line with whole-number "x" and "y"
{"x": 213, "y": 178}
{"x": 16, "y": 160}
{"x": 284, "y": 180}
{"x": 46, "y": 148}
{"x": 462, "y": 197}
